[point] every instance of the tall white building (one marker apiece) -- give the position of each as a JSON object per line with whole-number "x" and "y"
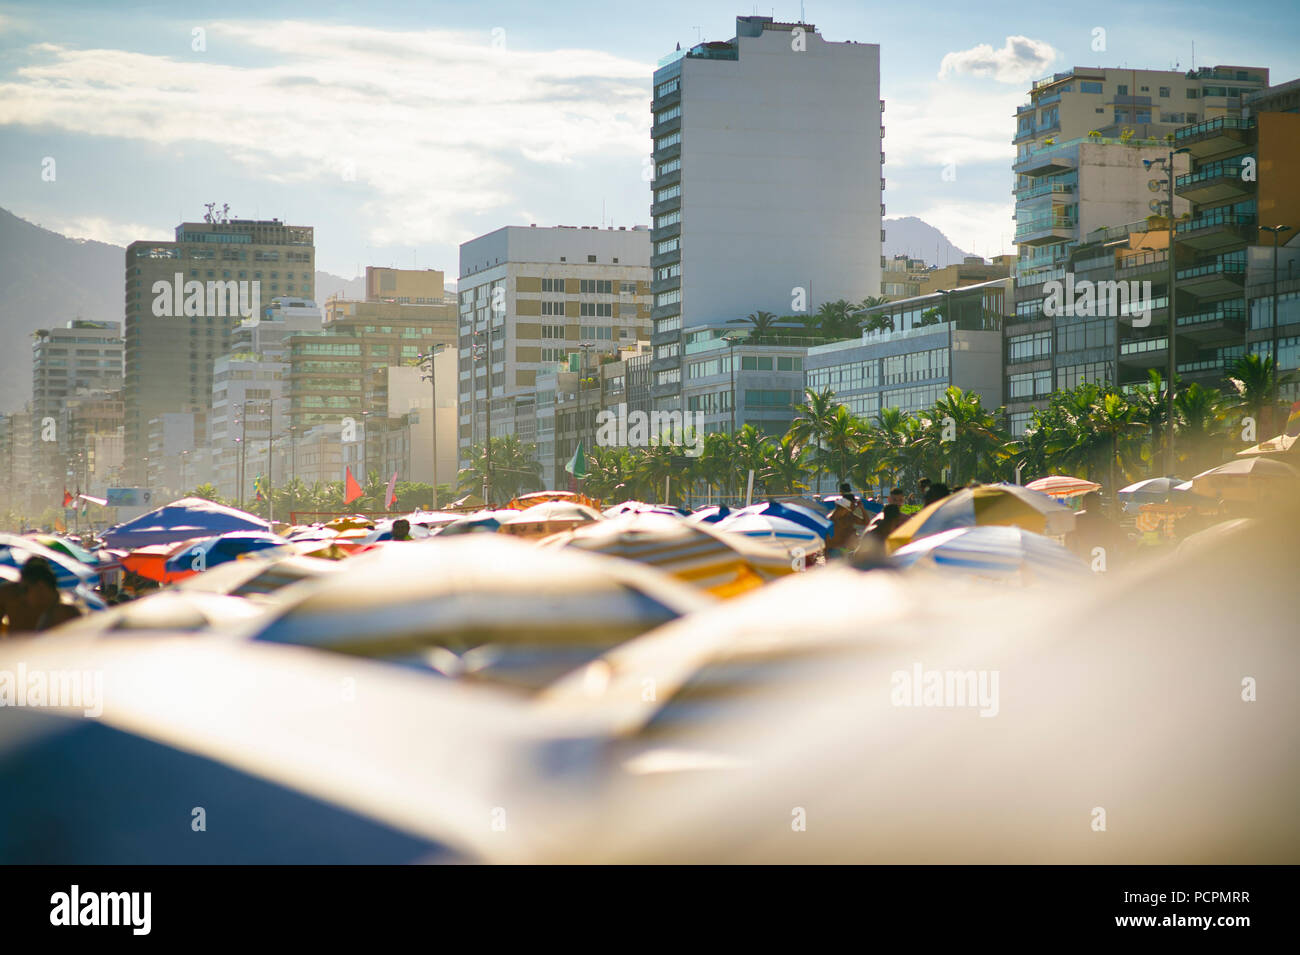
{"x": 767, "y": 188}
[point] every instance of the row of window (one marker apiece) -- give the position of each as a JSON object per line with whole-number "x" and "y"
{"x": 668, "y": 219}
{"x": 664, "y": 142}
{"x": 666, "y": 115}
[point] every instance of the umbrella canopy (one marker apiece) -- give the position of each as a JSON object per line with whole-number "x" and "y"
{"x": 994, "y": 552}
{"x": 1254, "y": 480}
{"x": 400, "y": 769}
{"x": 186, "y": 519}
{"x": 548, "y": 518}
{"x": 167, "y": 610}
{"x": 710, "y": 514}
{"x": 814, "y": 520}
{"x": 986, "y": 504}
{"x": 545, "y": 610}
{"x": 351, "y": 523}
{"x": 525, "y": 501}
{"x": 771, "y": 528}
{"x": 480, "y": 522}
{"x": 640, "y": 507}
{"x": 1161, "y": 490}
{"x": 68, "y": 571}
{"x": 219, "y": 550}
{"x": 1063, "y": 486}
{"x": 723, "y": 564}
{"x": 75, "y": 551}
{"x": 1284, "y": 445}
{"x": 150, "y": 561}
{"x": 257, "y": 577}
{"x": 835, "y": 690}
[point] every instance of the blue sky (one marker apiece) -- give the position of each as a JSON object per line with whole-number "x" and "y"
{"x": 400, "y": 129}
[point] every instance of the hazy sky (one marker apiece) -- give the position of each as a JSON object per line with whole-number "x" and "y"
{"x": 400, "y": 129}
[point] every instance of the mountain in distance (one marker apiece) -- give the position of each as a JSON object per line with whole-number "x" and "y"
{"x": 48, "y": 279}
{"x": 917, "y": 239}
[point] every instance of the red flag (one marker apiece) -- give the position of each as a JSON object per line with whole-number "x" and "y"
{"x": 67, "y": 498}
{"x": 392, "y": 488}
{"x": 351, "y": 489}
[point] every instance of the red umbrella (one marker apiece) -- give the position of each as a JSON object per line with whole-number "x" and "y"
{"x": 151, "y": 561}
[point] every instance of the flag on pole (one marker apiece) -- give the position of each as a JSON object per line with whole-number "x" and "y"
{"x": 258, "y": 486}
{"x": 392, "y": 491}
{"x": 67, "y": 498}
{"x": 577, "y": 465}
{"x": 351, "y": 489}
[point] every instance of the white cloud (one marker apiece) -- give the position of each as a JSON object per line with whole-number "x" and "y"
{"x": 428, "y": 127}
{"x": 1021, "y": 59}
{"x": 101, "y": 230}
{"x": 947, "y": 123}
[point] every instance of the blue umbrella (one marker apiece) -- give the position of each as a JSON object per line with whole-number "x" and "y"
{"x": 218, "y": 550}
{"x": 181, "y": 520}
{"x": 993, "y": 550}
{"x": 68, "y": 571}
{"x": 709, "y": 515}
{"x": 792, "y": 512}
{"x": 1154, "y": 491}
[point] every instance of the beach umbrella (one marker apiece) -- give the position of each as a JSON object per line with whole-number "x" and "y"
{"x": 295, "y": 757}
{"x": 167, "y": 610}
{"x": 772, "y": 529}
{"x": 1158, "y": 490}
{"x": 258, "y": 577}
{"x": 312, "y": 534}
{"x": 69, "y": 572}
{"x": 1284, "y": 445}
{"x": 986, "y": 504}
{"x": 640, "y": 507}
{"x": 548, "y": 518}
{"x": 1063, "y": 486}
{"x": 1211, "y": 539}
{"x": 350, "y": 523}
{"x": 995, "y": 552}
{"x": 723, "y": 564}
{"x": 186, "y": 519}
{"x": 772, "y": 709}
{"x": 1254, "y": 480}
{"x": 710, "y": 514}
{"x": 529, "y": 613}
{"x": 814, "y": 520}
{"x": 871, "y": 507}
{"x": 150, "y": 561}
{"x": 479, "y": 522}
{"x": 65, "y": 546}
{"x": 215, "y": 551}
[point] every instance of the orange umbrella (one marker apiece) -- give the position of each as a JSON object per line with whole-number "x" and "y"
{"x": 1063, "y": 486}
{"x": 151, "y": 561}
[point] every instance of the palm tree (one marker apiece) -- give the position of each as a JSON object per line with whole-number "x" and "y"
{"x": 514, "y": 471}
{"x": 785, "y": 465}
{"x": 716, "y": 466}
{"x": 835, "y": 320}
{"x": 966, "y": 436}
{"x": 841, "y": 440}
{"x": 1200, "y": 413}
{"x": 761, "y": 323}
{"x": 1255, "y": 392}
{"x": 1152, "y": 410}
{"x": 749, "y": 444}
{"x": 812, "y": 419}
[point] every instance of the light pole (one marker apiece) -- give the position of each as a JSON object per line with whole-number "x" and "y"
{"x": 1167, "y": 165}
{"x": 429, "y": 357}
{"x": 1277, "y": 231}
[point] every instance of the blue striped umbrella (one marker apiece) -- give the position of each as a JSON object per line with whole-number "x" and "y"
{"x": 993, "y": 550}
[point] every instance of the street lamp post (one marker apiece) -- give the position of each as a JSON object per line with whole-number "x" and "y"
{"x": 433, "y": 353}
{"x": 1277, "y": 232}
{"x": 1167, "y": 165}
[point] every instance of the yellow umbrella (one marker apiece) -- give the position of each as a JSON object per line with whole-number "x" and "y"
{"x": 723, "y": 564}
{"x": 1007, "y": 504}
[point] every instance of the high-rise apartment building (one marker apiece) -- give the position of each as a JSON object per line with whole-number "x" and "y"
{"x": 1090, "y": 206}
{"x": 183, "y": 300}
{"x": 533, "y": 299}
{"x": 404, "y": 286}
{"x": 78, "y": 361}
{"x": 767, "y": 185}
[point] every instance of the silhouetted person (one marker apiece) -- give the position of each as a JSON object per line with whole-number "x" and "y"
{"x": 42, "y": 594}
{"x": 936, "y": 492}
{"x": 401, "y": 529}
{"x": 1093, "y": 529}
{"x": 897, "y": 497}
{"x": 888, "y": 520}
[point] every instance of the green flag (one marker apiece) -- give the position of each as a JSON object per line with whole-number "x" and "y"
{"x": 577, "y": 465}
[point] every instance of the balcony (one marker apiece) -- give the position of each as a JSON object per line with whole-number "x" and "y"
{"x": 1223, "y": 323}
{"x": 1215, "y": 278}
{"x": 1145, "y": 352}
{"x": 1061, "y": 189}
{"x": 1216, "y": 231}
{"x": 1214, "y": 182}
{"x": 1214, "y": 136}
{"x": 1044, "y": 230}
{"x": 1045, "y": 162}
{"x": 1146, "y": 263}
